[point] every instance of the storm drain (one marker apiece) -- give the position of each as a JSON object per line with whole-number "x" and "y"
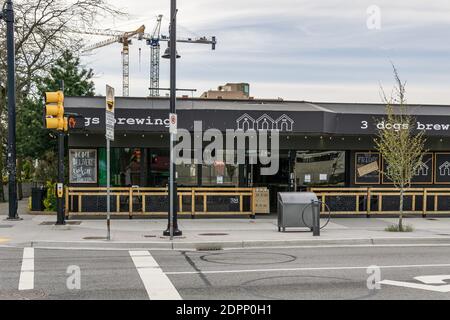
{"x": 208, "y": 247}
{"x": 51, "y": 223}
{"x": 149, "y": 236}
{"x": 23, "y": 295}
{"x": 213, "y": 234}
{"x": 5, "y": 226}
{"x": 94, "y": 238}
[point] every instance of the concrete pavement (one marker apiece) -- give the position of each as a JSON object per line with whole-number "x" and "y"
{"x": 275, "y": 274}
{"x": 39, "y": 231}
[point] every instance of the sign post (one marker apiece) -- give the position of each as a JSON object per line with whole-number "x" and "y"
{"x": 173, "y": 132}
{"x": 110, "y": 120}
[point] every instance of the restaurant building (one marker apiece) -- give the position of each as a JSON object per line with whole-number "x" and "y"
{"x": 322, "y": 145}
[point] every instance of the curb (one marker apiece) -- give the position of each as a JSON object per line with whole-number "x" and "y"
{"x": 219, "y": 245}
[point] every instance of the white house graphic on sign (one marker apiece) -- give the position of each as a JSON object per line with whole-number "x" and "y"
{"x": 245, "y": 122}
{"x": 265, "y": 123}
{"x": 284, "y": 123}
{"x": 421, "y": 170}
{"x": 444, "y": 169}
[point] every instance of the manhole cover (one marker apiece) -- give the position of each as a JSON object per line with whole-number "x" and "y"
{"x": 248, "y": 258}
{"x": 213, "y": 234}
{"x": 94, "y": 238}
{"x": 4, "y": 226}
{"x": 51, "y": 223}
{"x": 23, "y": 295}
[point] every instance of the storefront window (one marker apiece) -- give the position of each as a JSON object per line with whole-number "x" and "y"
{"x": 159, "y": 167}
{"x": 187, "y": 174}
{"x": 220, "y": 174}
{"x": 320, "y": 168}
{"x": 125, "y": 167}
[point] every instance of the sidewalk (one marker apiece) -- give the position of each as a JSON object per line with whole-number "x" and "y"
{"x": 39, "y": 231}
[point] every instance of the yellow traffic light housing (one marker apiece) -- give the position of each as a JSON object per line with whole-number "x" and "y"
{"x": 54, "y": 111}
{"x": 110, "y": 105}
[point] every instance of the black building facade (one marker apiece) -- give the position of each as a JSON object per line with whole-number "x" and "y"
{"x": 321, "y": 144}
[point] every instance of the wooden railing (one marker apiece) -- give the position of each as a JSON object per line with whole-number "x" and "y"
{"x": 384, "y": 200}
{"x": 142, "y": 201}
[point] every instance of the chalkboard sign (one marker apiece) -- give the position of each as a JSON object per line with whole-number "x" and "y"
{"x": 442, "y": 168}
{"x": 367, "y": 166}
{"x": 422, "y": 175}
{"x": 83, "y": 166}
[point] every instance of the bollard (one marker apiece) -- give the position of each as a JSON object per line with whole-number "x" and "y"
{"x": 316, "y": 218}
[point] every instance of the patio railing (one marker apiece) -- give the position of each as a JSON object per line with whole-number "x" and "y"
{"x": 376, "y": 201}
{"x": 154, "y": 201}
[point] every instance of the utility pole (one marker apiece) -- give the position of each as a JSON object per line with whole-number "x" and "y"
{"x": 172, "y": 229}
{"x": 8, "y": 15}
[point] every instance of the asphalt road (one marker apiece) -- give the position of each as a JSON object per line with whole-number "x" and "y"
{"x": 275, "y": 273}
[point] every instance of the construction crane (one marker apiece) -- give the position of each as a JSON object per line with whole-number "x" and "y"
{"x": 155, "y": 49}
{"x": 153, "y": 40}
{"x": 120, "y": 37}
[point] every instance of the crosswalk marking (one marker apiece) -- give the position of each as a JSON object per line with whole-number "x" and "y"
{"x": 156, "y": 282}
{"x": 26, "y": 281}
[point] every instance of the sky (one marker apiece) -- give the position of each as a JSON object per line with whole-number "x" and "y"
{"x": 323, "y": 51}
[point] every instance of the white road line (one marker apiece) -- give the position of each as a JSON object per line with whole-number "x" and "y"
{"x": 309, "y": 269}
{"x": 26, "y": 281}
{"x": 156, "y": 282}
{"x": 428, "y": 287}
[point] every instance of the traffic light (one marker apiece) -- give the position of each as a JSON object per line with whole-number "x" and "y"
{"x": 54, "y": 111}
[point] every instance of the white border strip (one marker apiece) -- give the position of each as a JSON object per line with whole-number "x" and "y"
{"x": 156, "y": 282}
{"x": 309, "y": 269}
{"x": 26, "y": 281}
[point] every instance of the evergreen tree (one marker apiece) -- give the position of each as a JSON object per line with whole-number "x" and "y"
{"x": 77, "y": 80}
{"x": 33, "y": 140}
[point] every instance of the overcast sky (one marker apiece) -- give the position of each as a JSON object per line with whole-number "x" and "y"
{"x": 327, "y": 50}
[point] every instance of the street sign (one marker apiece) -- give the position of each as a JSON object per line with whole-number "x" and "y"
{"x": 109, "y": 113}
{"x": 173, "y": 123}
{"x": 109, "y": 125}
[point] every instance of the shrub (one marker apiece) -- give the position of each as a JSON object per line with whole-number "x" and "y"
{"x": 395, "y": 228}
{"x": 50, "y": 199}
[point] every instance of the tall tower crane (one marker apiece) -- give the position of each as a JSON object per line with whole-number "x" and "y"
{"x": 120, "y": 37}
{"x": 153, "y": 40}
{"x": 155, "y": 50}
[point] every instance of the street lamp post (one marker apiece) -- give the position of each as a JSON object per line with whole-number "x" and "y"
{"x": 172, "y": 228}
{"x": 8, "y": 15}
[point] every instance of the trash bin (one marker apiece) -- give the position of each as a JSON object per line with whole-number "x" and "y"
{"x": 290, "y": 209}
{"x": 37, "y": 198}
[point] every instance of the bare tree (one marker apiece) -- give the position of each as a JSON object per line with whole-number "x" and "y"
{"x": 402, "y": 147}
{"x": 43, "y": 32}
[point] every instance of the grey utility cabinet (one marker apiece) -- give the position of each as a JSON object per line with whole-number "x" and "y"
{"x": 290, "y": 209}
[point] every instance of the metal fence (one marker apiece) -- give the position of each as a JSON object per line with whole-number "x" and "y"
{"x": 155, "y": 201}
{"x": 378, "y": 201}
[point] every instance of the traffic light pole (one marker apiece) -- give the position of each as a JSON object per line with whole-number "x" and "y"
{"x": 8, "y": 16}
{"x": 61, "y": 219}
{"x": 172, "y": 228}
{"x": 60, "y": 215}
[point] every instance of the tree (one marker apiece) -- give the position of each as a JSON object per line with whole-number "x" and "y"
{"x": 43, "y": 32}
{"x": 402, "y": 148}
{"x": 77, "y": 80}
{"x": 33, "y": 140}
